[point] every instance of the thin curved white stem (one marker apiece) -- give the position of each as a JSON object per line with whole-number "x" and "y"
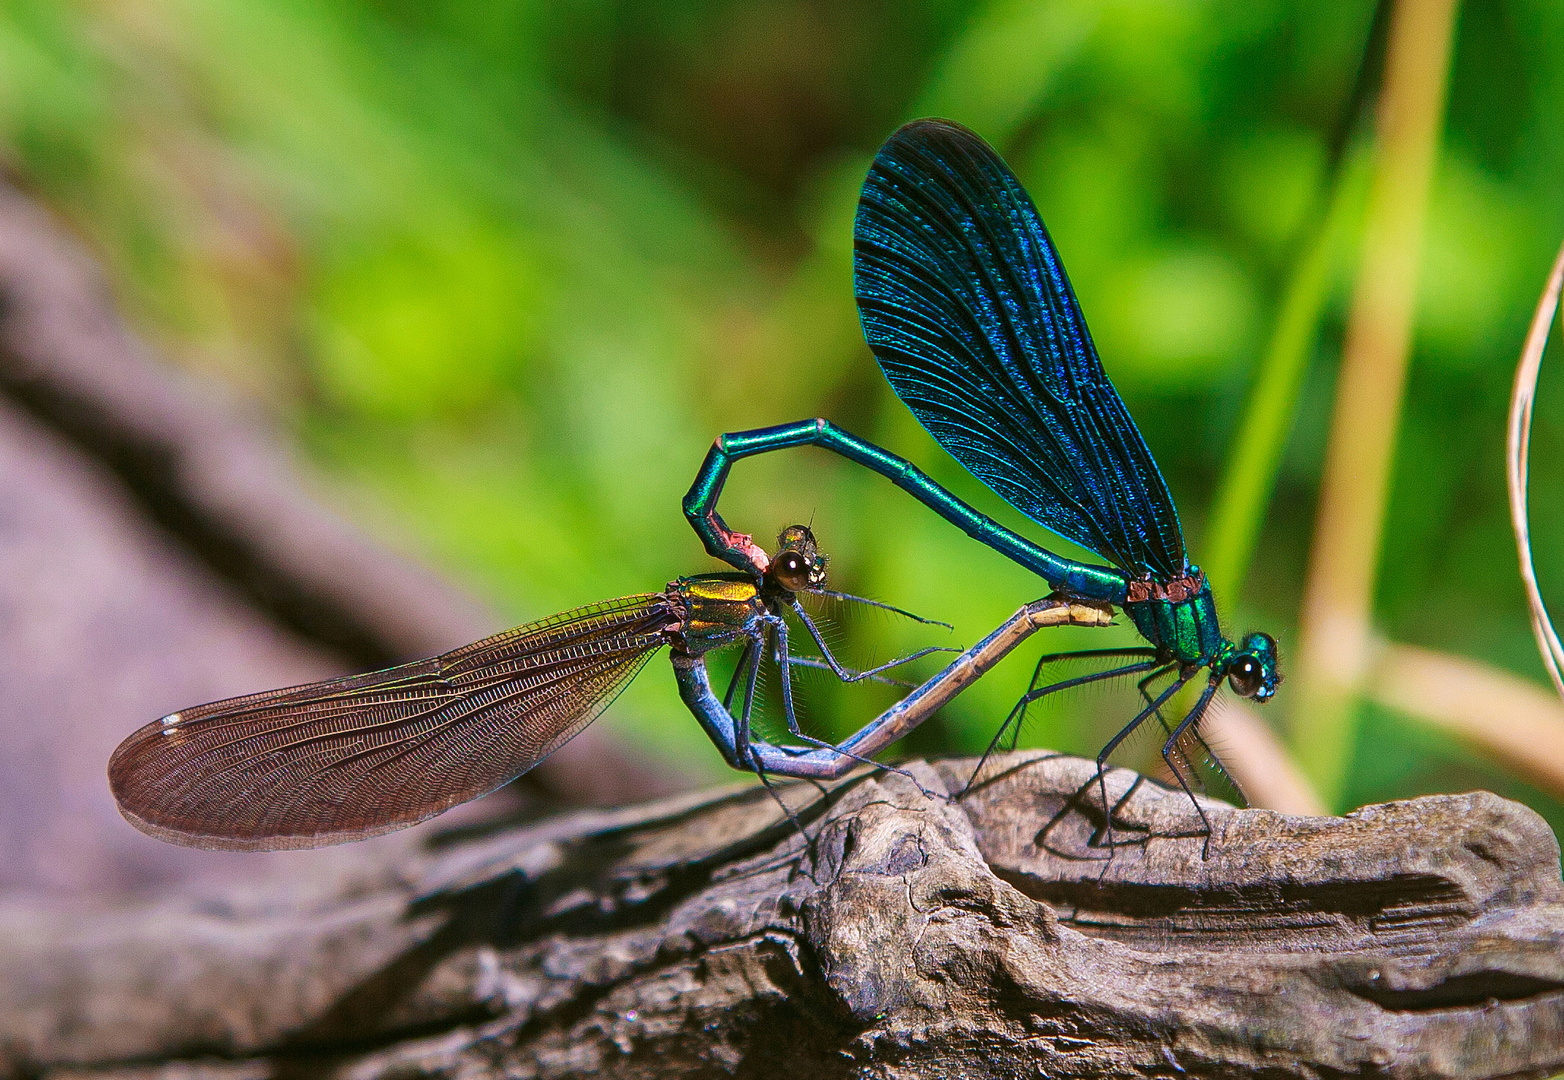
{"x": 1519, "y": 443}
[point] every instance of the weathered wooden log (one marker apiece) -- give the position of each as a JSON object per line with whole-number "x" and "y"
{"x": 915, "y": 934}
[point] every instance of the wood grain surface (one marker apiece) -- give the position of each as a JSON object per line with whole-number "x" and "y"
{"x": 916, "y": 934}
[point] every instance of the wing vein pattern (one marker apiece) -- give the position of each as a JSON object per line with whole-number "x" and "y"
{"x": 969, "y": 312}
{"x": 366, "y": 754}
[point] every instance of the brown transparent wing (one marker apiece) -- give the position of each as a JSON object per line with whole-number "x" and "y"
{"x": 353, "y": 757}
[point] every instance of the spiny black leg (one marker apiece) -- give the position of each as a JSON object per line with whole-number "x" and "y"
{"x": 1220, "y": 769}
{"x": 1015, "y": 733}
{"x": 1167, "y": 751}
{"x": 746, "y": 658}
{"x": 778, "y": 634}
{"x": 1018, "y": 708}
{"x": 783, "y": 663}
{"x": 760, "y": 771}
{"x": 1081, "y": 654}
{"x": 1037, "y": 675}
{"x": 1118, "y": 804}
{"x": 1113, "y": 744}
{"x": 1216, "y": 762}
{"x": 1018, "y": 713}
{"x": 757, "y": 645}
{"x": 833, "y": 594}
{"x": 821, "y": 665}
{"x": 1035, "y": 693}
{"x": 1146, "y": 694}
{"x": 847, "y": 675}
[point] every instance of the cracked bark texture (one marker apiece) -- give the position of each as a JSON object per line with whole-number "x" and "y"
{"x": 916, "y": 935}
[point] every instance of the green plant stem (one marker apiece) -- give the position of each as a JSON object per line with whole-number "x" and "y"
{"x": 1249, "y": 479}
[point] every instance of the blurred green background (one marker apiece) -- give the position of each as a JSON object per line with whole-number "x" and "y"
{"x": 503, "y": 269}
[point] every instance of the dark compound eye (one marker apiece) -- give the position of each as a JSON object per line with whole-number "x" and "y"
{"x": 1244, "y": 676}
{"x": 791, "y": 571}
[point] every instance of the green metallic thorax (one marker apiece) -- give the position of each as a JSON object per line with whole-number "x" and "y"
{"x": 1186, "y": 629}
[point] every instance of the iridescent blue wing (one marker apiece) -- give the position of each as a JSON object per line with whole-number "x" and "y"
{"x": 968, "y": 309}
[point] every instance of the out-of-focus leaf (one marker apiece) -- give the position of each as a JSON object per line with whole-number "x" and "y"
{"x": 408, "y": 330}
{"x": 1270, "y": 182}
{"x": 1470, "y": 287}
{"x": 1177, "y": 317}
{"x": 1006, "y": 59}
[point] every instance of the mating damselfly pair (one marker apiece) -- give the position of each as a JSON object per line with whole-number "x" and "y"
{"x": 967, "y": 308}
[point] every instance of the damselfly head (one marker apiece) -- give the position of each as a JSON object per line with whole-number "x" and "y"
{"x": 798, "y": 564}
{"x": 1252, "y": 671}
